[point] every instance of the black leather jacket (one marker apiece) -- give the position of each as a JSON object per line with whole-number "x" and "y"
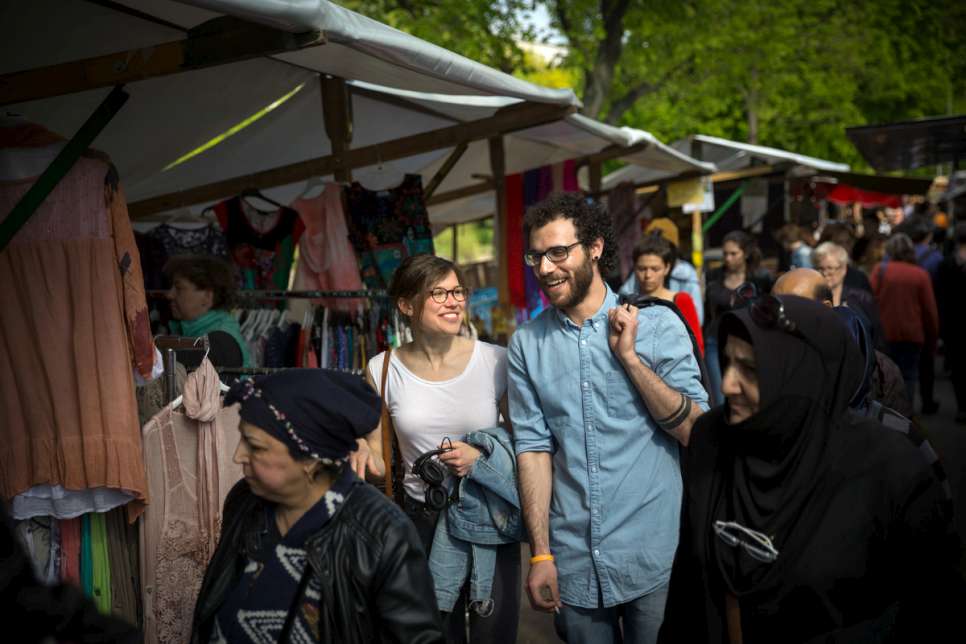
{"x": 376, "y": 585}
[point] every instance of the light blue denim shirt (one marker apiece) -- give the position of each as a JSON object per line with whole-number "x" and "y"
{"x": 616, "y": 496}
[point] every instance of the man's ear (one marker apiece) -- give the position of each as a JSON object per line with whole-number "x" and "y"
{"x": 209, "y": 298}
{"x": 596, "y": 248}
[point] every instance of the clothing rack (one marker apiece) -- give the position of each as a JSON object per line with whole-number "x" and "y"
{"x": 291, "y": 295}
{"x": 264, "y": 371}
{"x": 169, "y": 345}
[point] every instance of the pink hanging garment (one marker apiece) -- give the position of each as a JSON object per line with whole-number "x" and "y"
{"x": 190, "y": 472}
{"x": 326, "y": 259}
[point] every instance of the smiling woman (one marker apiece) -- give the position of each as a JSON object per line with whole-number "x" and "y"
{"x": 438, "y": 388}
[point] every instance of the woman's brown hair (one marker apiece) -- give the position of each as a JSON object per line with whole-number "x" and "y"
{"x": 206, "y": 273}
{"x": 416, "y": 276}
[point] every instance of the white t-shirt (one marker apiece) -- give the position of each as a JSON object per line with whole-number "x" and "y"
{"x": 424, "y": 412}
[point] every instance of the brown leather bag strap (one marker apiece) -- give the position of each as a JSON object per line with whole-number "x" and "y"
{"x": 733, "y": 615}
{"x": 388, "y": 432}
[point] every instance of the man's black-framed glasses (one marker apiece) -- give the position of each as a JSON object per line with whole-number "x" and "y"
{"x": 757, "y": 545}
{"x": 440, "y": 294}
{"x": 555, "y": 254}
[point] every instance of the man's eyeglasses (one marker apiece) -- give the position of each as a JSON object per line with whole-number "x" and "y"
{"x": 825, "y": 270}
{"x": 440, "y": 295}
{"x": 757, "y": 545}
{"x": 555, "y": 254}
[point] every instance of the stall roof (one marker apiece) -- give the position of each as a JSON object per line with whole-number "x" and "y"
{"x": 727, "y": 156}
{"x": 911, "y": 144}
{"x": 400, "y": 86}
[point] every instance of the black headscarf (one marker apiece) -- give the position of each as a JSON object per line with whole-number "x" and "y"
{"x": 317, "y": 413}
{"x": 771, "y": 463}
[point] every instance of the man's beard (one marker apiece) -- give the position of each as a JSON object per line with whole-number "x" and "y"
{"x": 581, "y": 280}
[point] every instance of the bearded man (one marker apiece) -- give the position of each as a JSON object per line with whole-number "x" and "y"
{"x": 600, "y": 397}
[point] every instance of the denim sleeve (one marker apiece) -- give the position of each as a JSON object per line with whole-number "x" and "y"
{"x": 693, "y": 288}
{"x": 530, "y": 431}
{"x": 673, "y": 355}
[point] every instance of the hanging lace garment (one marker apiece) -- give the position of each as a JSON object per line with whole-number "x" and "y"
{"x": 188, "y": 457}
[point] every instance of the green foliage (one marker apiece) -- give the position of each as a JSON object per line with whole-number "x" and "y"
{"x": 788, "y": 73}
{"x": 481, "y": 30}
{"x": 474, "y": 242}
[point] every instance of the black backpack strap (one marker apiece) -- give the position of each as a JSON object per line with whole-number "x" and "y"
{"x": 646, "y": 301}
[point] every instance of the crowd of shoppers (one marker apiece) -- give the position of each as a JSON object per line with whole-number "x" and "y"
{"x": 794, "y": 501}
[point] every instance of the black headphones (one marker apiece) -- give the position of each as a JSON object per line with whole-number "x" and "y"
{"x": 433, "y": 473}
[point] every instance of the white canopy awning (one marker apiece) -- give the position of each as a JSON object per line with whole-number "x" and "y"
{"x": 726, "y": 155}
{"x": 399, "y": 86}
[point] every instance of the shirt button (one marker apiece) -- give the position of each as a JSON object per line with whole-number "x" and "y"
{"x": 596, "y": 553}
{"x": 586, "y": 384}
{"x": 594, "y": 469}
{"x": 583, "y": 342}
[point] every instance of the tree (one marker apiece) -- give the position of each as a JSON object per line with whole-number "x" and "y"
{"x": 483, "y": 31}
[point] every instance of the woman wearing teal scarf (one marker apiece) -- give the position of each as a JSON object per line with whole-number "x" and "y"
{"x": 202, "y": 289}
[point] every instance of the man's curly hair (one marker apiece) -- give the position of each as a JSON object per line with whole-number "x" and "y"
{"x": 590, "y": 219}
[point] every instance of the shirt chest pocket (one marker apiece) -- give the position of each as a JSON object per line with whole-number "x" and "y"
{"x": 623, "y": 401}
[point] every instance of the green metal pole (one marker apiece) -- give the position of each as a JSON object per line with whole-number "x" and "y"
{"x": 61, "y": 165}
{"x": 719, "y": 213}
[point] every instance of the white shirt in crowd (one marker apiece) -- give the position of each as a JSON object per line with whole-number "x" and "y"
{"x": 424, "y": 412}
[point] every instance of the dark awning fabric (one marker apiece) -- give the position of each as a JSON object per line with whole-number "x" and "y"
{"x": 880, "y": 183}
{"x": 911, "y": 144}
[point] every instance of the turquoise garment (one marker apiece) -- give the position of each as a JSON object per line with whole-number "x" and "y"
{"x": 214, "y": 320}
{"x": 86, "y": 557}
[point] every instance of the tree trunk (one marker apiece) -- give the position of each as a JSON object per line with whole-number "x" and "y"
{"x": 751, "y": 106}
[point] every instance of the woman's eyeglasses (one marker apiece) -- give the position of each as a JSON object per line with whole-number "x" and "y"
{"x": 555, "y": 254}
{"x": 757, "y": 545}
{"x": 440, "y": 295}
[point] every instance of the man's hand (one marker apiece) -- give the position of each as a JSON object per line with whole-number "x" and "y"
{"x": 362, "y": 459}
{"x": 460, "y": 459}
{"x": 542, "y": 586}
{"x": 622, "y": 332}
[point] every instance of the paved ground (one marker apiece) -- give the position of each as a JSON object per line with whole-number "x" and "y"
{"x": 948, "y": 437}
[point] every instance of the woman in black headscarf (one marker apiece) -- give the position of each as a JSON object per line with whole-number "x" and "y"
{"x": 308, "y": 552}
{"x": 803, "y": 522}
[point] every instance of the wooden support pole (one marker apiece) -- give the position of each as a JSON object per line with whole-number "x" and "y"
{"x": 444, "y": 170}
{"x": 217, "y": 42}
{"x": 337, "y": 113}
{"x": 596, "y": 178}
{"x": 500, "y": 232}
{"x": 461, "y": 193}
{"x": 697, "y": 241}
{"x": 510, "y": 119}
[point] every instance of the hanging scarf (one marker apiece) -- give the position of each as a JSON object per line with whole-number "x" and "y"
{"x": 214, "y": 320}
{"x": 202, "y": 402}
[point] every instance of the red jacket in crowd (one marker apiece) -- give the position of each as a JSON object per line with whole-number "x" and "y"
{"x": 906, "y": 303}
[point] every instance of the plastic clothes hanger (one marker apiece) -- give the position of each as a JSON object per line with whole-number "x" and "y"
{"x": 221, "y": 386}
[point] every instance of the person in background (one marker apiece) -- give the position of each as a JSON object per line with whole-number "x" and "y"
{"x": 840, "y": 233}
{"x": 601, "y": 397}
{"x": 797, "y": 243}
{"x": 202, "y": 290}
{"x": 832, "y": 261}
{"x": 654, "y": 261}
{"x": 741, "y": 259}
{"x": 907, "y": 303}
{"x": 920, "y": 231}
{"x": 885, "y": 383}
{"x": 309, "y": 552}
{"x": 804, "y": 522}
{"x": 951, "y": 297}
{"x": 443, "y": 385}
{"x": 683, "y": 276}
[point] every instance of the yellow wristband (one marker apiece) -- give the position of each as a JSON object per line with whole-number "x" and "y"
{"x": 537, "y": 558}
